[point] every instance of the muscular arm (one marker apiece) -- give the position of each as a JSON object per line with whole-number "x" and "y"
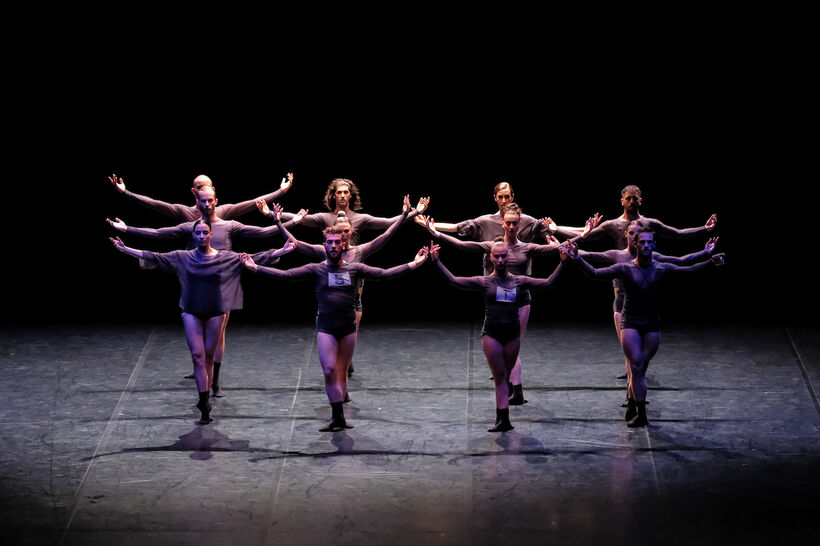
{"x": 290, "y": 274}
{"x": 244, "y": 207}
{"x": 472, "y": 246}
{"x": 173, "y": 232}
{"x": 314, "y": 251}
{"x": 369, "y": 248}
{"x": 257, "y": 231}
{"x": 608, "y": 257}
{"x": 609, "y": 272}
{"x": 669, "y": 232}
{"x": 682, "y": 260}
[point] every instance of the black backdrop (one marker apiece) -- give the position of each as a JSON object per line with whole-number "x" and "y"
{"x": 61, "y": 267}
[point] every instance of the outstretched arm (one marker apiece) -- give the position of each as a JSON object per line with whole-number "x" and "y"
{"x": 173, "y": 232}
{"x": 244, "y": 207}
{"x": 168, "y": 209}
{"x": 441, "y": 226}
{"x": 119, "y": 245}
{"x": 370, "y": 247}
{"x": 670, "y": 232}
{"x": 314, "y": 251}
{"x": 472, "y": 246}
{"x": 717, "y": 259}
{"x": 377, "y": 273}
{"x": 290, "y": 274}
{"x": 466, "y": 283}
{"x": 690, "y": 258}
{"x": 610, "y": 272}
{"x": 535, "y": 283}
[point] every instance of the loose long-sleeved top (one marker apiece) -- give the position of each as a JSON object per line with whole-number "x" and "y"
{"x": 223, "y": 232}
{"x": 615, "y": 230}
{"x": 190, "y": 213}
{"x": 489, "y": 226}
{"x": 209, "y": 285}
{"x": 335, "y": 287}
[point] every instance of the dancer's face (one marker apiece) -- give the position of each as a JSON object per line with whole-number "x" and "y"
{"x": 511, "y": 223}
{"x": 202, "y": 236}
{"x": 630, "y": 236}
{"x": 342, "y": 195}
{"x": 206, "y": 201}
{"x": 646, "y": 243}
{"x": 333, "y": 246}
{"x": 498, "y": 256}
{"x": 631, "y": 201}
{"x": 503, "y": 196}
{"x": 347, "y": 230}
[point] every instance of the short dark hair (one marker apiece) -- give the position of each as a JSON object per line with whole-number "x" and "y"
{"x": 632, "y": 188}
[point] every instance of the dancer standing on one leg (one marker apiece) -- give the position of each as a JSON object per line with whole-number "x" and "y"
{"x": 210, "y": 288}
{"x": 334, "y": 285}
{"x": 640, "y": 316}
{"x": 501, "y": 332}
{"x": 518, "y": 262}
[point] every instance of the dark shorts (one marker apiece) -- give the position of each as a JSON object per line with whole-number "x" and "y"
{"x": 205, "y": 316}
{"x": 339, "y": 332}
{"x": 502, "y": 333}
{"x": 641, "y": 324}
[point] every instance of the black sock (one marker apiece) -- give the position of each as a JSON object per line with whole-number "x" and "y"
{"x": 215, "y": 382}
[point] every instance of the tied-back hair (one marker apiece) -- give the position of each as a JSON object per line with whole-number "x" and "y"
{"x": 202, "y": 221}
{"x": 511, "y": 207}
{"x": 329, "y": 200}
{"x": 342, "y": 218}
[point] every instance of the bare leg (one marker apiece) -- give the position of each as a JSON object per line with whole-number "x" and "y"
{"x": 639, "y": 348}
{"x": 332, "y": 356}
{"x": 203, "y": 337}
{"x": 494, "y": 353}
{"x": 616, "y": 315}
{"x": 523, "y": 318}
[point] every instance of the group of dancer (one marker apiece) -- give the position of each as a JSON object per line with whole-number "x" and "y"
{"x": 209, "y": 273}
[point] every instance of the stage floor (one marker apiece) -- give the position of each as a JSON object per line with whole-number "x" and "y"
{"x": 102, "y": 445}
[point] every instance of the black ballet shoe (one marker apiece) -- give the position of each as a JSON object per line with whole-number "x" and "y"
{"x": 517, "y": 396}
{"x": 502, "y": 421}
{"x": 640, "y": 419}
{"x": 189, "y": 376}
{"x": 622, "y": 376}
{"x": 350, "y": 370}
{"x": 347, "y": 399}
{"x": 204, "y": 406}
{"x": 631, "y": 410}
{"x": 217, "y": 391}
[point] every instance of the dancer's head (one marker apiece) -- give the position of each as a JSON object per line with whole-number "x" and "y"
{"x": 206, "y": 201}
{"x": 511, "y": 219}
{"x": 202, "y": 233}
{"x": 503, "y": 194}
{"x": 631, "y": 198}
{"x": 200, "y": 182}
{"x": 343, "y": 222}
{"x": 631, "y": 230}
{"x": 498, "y": 255}
{"x": 645, "y": 242}
{"x": 342, "y": 193}
{"x": 334, "y": 243}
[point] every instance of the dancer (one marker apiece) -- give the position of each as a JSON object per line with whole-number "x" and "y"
{"x": 342, "y": 195}
{"x": 191, "y": 213}
{"x": 222, "y": 239}
{"x": 335, "y": 285}
{"x": 640, "y": 314}
{"x": 501, "y": 333}
{"x": 616, "y": 229}
{"x": 210, "y": 288}
{"x": 351, "y": 253}
{"x": 613, "y": 256}
{"x": 519, "y": 262}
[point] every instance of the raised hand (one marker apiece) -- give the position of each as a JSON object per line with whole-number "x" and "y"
{"x": 549, "y": 224}
{"x": 118, "y": 183}
{"x": 711, "y": 222}
{"x": 711, "y": 244}
{"x": 262, "y": 205}
{"x": 118, "y": 243}
{"x": 247, "y": 261}
{"x": 424, "y": 203}
{"x": 420, "y": 258}
{"x": 719, "y": 259}
{"x": 117, "y": 224}
{"x": 300, "y": 216}
{"x": 290, "y": 245}
{"x": 433, "y": 251}
{"x": 286, "y": 182}
{"x": 405, "y": 205}
{"x": 277, "y": 211}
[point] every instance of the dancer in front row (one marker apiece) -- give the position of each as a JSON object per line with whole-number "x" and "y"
{"x": 640, "y": 315}
{"x": 210, "y": 287}
{"x": 350, "y": 252}
{"x": 519, "y": 262}
{"x": 334, "y": 285}
{"x": 501, "y": 333}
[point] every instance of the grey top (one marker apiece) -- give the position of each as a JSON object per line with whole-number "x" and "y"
{"x": 358, "y": 220}
{"x": 519, "y": 255}
{"x": 223, "y": 232}
{"x": 208, "y": 284}
{"x": 191, "y": 213}
{"x": 615, "y": 230}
